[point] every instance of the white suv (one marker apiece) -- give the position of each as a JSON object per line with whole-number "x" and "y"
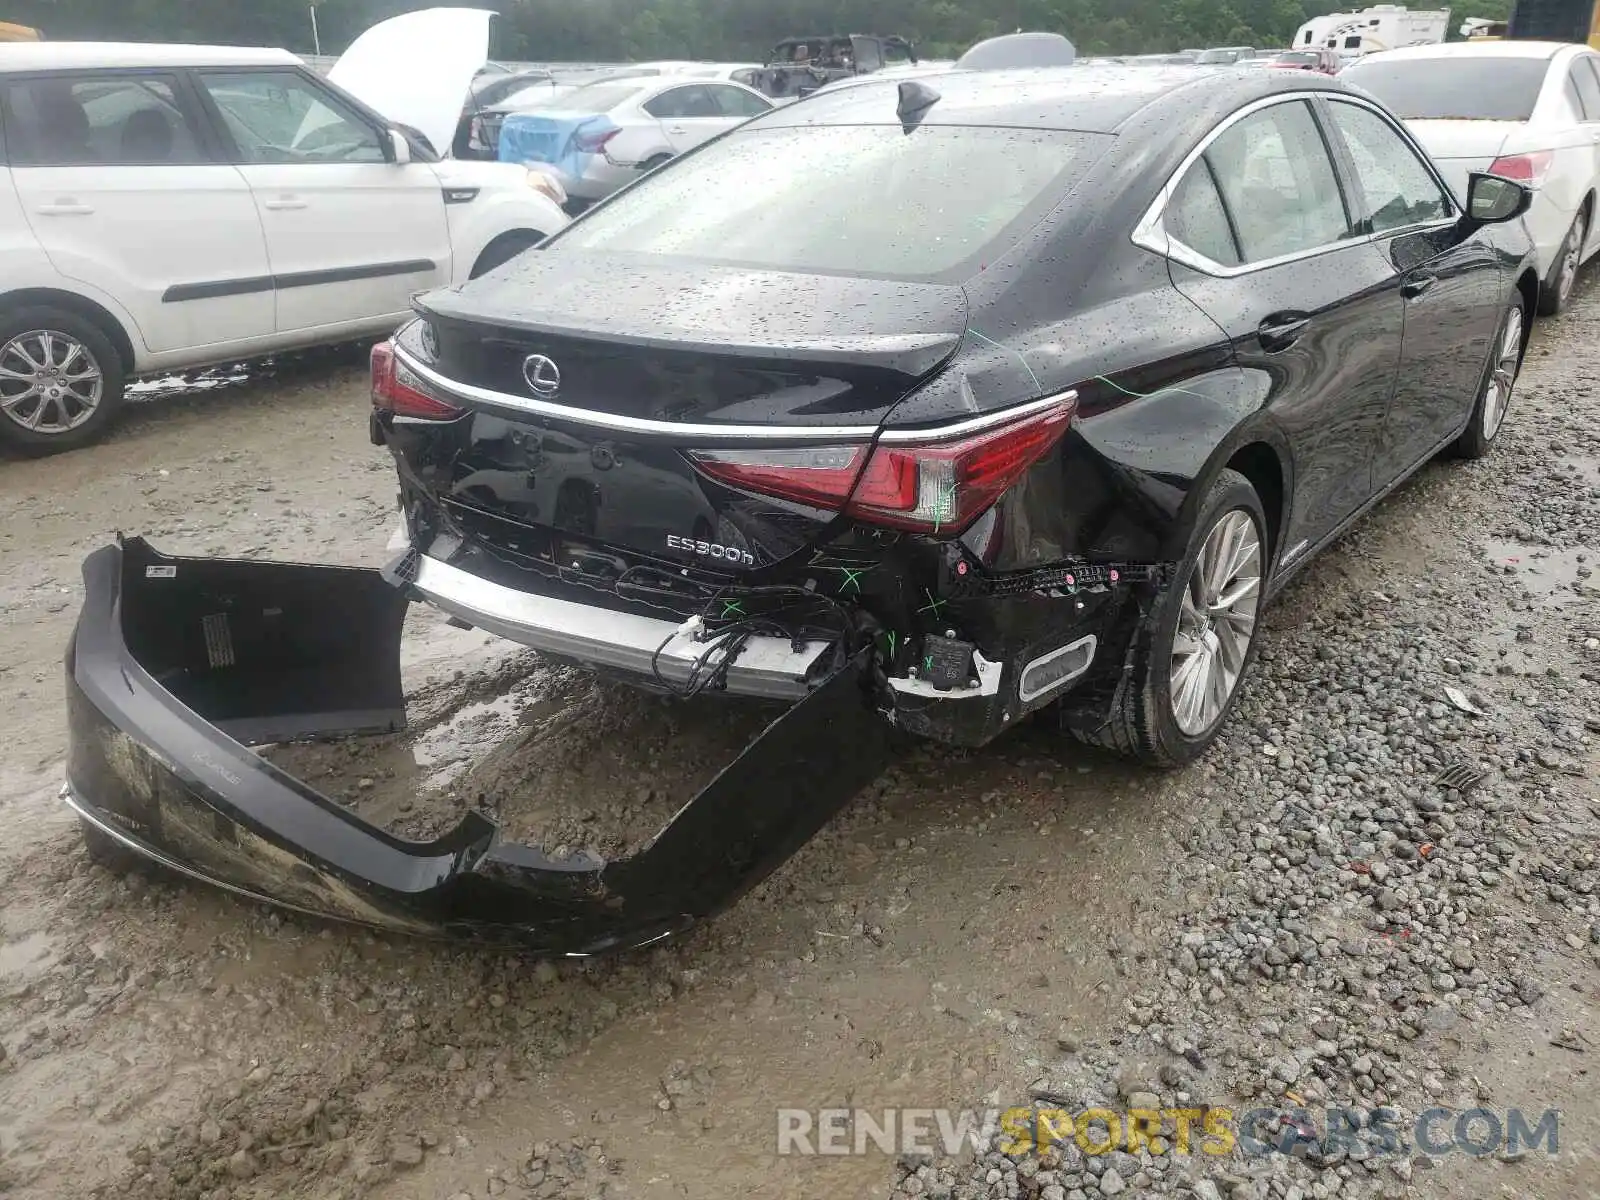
{"x": 170, "y": 207}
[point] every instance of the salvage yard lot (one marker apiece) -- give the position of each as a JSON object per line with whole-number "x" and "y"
{"x": 1303, "y": 914}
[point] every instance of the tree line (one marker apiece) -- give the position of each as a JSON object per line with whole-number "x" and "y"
{"x": 724, "y": 30}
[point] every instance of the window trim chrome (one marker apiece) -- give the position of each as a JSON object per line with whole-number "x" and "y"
{"x": 1151, "y": 234}
{"x": 678, "y": 431}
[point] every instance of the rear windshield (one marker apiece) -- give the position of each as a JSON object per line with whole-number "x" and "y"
{"x": 851, "y": 199}
{"x": 1297, "y": 56}
{"x": 597, "y": 97}
{"x": 1458, "y": 88}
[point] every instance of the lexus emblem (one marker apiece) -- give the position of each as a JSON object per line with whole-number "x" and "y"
{"x": 542, "y": 374}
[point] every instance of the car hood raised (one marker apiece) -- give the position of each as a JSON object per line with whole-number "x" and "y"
{"x": 415, "y": 69}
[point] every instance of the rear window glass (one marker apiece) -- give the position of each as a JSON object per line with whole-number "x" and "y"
{"x": 596, "y": 97}
{"x": 1458, "y": 88}
{"x": 853, "y": 199}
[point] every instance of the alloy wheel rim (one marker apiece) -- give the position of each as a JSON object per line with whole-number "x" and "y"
{"x": 1503, "y": 378}
{"x": 1216, "y": 623}
{"x": 50, "y": 382}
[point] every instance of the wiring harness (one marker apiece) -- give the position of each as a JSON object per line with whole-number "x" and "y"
{"x": 732, "y": 616}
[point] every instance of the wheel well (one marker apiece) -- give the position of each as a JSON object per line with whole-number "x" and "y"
{"x": 518, "y": 237}
{"x": 1528, "y": 285}
{"x": 87, "y": 309}
{"x": 1258, "y": 462}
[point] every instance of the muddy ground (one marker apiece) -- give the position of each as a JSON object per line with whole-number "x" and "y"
{"x": 1303, "y": 914}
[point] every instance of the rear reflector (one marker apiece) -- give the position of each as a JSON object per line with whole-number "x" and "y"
{"x": 395, "y": 389}
{"x": 1529, "y": 169}
{"x": 937, "y": 485}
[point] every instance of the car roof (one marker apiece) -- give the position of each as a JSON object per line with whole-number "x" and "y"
{"x": 1090, "y": 97}
{"x": 63, "y": 56}
{"x": 1474, "y": 49}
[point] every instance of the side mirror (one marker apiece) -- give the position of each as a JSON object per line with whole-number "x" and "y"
{"x": 399, "y": 148}
{"x": 1491, "y": 199}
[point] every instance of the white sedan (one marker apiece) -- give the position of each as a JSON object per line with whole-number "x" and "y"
{"x": 602, "y": 136}
{"x": 1529, "y": 111}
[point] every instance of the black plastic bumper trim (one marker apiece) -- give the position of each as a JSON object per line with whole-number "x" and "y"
{"x": 157, "y": 762}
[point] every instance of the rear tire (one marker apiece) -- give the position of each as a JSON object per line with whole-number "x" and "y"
{"x": 1555, "y": 292}
{"x": 503, "y": 249}
{"x": 1200, "y": 638}
{"x": 70, "y": 399}
{"x": 1499, "y": 384}
{"x": 650, "y": 164}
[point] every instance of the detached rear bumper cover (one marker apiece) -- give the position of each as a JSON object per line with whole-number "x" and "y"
{"x": 177, "y": 664}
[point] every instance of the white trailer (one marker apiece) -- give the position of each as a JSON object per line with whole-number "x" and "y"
{"x": 1381, "y": 27}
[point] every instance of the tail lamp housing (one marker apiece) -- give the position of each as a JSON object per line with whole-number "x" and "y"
{"x": 1529, "y": 169}
{"x": 932, "y": 482}
{"x": 396, "y": 390}
{"x": 592, "y": 141}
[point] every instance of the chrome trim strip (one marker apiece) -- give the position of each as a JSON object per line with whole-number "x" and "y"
{"x": 1151, "y": 234}
{"x": 128, "y": 841}
{"x": 639, "y": 425}
{"x": 767, "y": 666}
{"x": 830, "y": 434}
{"x": 1004, "y": 416}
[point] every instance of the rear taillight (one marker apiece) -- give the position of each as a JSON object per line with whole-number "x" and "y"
{"x": 594, "y": 141}
{"x": 927, "y": 485}
{"x": 395, "y": 389}
{"x": 1529, "y": 169}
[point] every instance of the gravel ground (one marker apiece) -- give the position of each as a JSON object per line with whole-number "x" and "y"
{"x": 1308, "y": 917}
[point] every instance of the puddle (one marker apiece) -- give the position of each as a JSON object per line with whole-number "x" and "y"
{"x": 29, "y": 956}
{"x": 443, "y": 752}
{"x": 163, "y": 386}
{"x": 1557, "y": 575}
{"x": 277, "y": 369}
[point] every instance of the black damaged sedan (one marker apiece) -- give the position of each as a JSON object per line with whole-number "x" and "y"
{"x": 946, "y": 400}
{"x": 1038, "y": 383}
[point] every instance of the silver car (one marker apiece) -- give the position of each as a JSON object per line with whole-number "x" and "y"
{"x": 600, "y": 137}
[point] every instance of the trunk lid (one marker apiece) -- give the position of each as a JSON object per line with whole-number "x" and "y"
{"x": 564, "y": 140}
{"x": 650, "y": 359}
{"x": 1459, "y": 148}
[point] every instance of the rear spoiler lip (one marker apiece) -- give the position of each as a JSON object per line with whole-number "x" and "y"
{"x": 163, "y": 781}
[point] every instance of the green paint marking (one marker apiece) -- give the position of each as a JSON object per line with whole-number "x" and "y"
{"x": 983, "y": 337}
{"x": 852, "y": 577}
{"x": 1146, "y": 395}
{"x": 932, "y": 605}
{"x": 944, "y": 505}
{"x": 732, "y": 608}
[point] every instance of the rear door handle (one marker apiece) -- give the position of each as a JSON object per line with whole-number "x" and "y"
{"x": 65, "y": 208}
{"x": 1281, "y": 330}
{"x": 678, "y": 129}
{"x": 1416, "y": 285}
{"x": 283, "y": 202}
